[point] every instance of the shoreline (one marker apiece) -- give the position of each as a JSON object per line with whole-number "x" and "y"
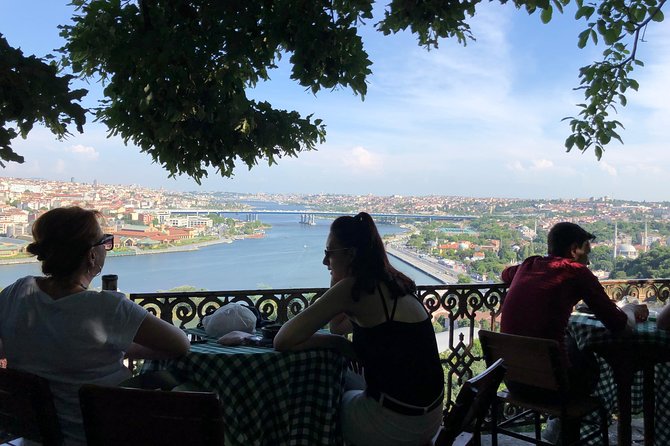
{"x": 184, "y": 248}
{"x": 434, "y": 271}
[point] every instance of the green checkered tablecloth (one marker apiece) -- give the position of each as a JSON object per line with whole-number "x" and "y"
{"x": 268, "y": 397}
{"x": 589, "y": 333}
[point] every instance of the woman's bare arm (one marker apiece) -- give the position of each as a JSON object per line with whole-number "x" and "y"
{"x": 300, "y": 329}
{"x": 340, "y": 324}
{"x": 663, "y": 318}
{"x": 157, "y": 339}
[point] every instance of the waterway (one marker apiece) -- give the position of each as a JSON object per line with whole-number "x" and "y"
{"x": 289, "y": 256}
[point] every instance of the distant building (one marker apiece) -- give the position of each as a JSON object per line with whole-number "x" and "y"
{"x": 11, "y": 247}
{"x": 478, "y": 256}
{"x": 627, "y": 251}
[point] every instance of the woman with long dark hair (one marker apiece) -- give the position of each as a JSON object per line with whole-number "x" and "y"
{"x": 399, "y": 401}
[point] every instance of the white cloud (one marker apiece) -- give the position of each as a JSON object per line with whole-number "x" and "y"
{"x": 362, "y": 160}
{"x": 534, "y": 165}
{"x": 607, "y": 167}
{"x": 515, "y": 166}
{"x": 542, "y": 164}
{"x": 87, "y": 152}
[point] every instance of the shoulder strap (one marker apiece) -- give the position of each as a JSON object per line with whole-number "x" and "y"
{"x": 395, "y": 305}
{"x": 386, "y": 309}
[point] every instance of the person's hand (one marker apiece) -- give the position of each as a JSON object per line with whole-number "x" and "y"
{"x": 234, "y": 338}
{"x": 340, "y": 325}
{"x": 355, "y": 366}
{"x": 346, "y": 348}
{"x": 637, "y": 312}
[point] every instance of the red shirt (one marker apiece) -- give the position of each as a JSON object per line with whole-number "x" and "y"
{"x": 542, "y": 293}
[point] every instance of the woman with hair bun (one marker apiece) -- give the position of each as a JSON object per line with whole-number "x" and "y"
{"x": 55, "y": 327}
{"x": 399, "y": 401}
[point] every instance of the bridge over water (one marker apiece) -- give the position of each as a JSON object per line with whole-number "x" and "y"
{"x": 310, "y": 213}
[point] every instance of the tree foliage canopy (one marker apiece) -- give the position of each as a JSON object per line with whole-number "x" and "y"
{"x": 176, "y": 73}
{"x": 655, "y": 263}
{"x": 32, "y": 92}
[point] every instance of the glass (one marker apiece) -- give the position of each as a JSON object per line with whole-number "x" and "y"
{"x": 107, "y": 241}
{"x": 328, "y": 252}
{"x": 110, "y": 282}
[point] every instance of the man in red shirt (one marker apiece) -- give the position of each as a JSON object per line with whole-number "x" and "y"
{"x": 544, "y": 290}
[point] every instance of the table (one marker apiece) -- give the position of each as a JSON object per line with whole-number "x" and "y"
{"x": 633, "y": 369}
{"x": 268, "y": 397}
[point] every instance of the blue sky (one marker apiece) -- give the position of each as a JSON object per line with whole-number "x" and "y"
{"x": 484, "y": 120}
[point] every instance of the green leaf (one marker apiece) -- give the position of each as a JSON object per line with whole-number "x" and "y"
{"x": 583, "y": 37}
{"x": 558, "y": 5}
{"x": 599, "y": 152}
{"x": 611, "y": 36}
{"x": 601, "y": 26}
{"x": 584, "y": 11}
{"x": 658, "y": 16}
{"x": 545, "y": 15}
{"x": 589, "y": 11}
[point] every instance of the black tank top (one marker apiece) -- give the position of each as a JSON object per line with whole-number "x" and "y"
{"x": 400, "y": 358}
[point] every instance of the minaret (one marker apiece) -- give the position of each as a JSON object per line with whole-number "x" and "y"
{"x": 646, "y": 234}
{"x": 615, "y": 240}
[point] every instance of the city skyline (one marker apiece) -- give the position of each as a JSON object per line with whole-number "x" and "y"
{"x": 480, "y": 121}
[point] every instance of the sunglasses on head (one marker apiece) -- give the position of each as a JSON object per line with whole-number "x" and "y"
{"x": 107, "y": 241}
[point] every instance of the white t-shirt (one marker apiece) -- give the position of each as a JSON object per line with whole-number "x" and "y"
{"x": 74, "y": 340}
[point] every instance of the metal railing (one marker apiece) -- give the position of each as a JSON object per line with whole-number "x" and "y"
{"x": 469, "y": 307}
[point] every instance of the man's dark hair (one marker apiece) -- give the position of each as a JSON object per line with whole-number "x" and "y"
{"x": 563, "y": 235}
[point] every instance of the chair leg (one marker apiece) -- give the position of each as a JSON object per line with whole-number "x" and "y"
{"x": 603, "y": 427}
{"x": 477, "y": 438}
{"x": 494, "y": 423}
{"x": 569, "y": 431}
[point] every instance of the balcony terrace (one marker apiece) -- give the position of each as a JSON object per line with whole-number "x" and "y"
{"x": 466, "y": 308}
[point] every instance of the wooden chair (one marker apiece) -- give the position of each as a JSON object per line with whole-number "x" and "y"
{"x": 538, "y": 365}
{"x": 134, "y": 417}
{"x": 27, "y": 409}
{"x": 155, "y": 380}
{"x": 462, "y": 424}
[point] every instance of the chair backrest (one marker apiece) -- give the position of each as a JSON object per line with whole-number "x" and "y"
{"x": 119, "y": 415}
{"x": 27, "y": 409}
{"x": 472, "y": 404}
{"x": 529, "y": 361}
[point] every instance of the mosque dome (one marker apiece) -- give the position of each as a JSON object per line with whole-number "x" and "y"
{"x": 627, "y": 248}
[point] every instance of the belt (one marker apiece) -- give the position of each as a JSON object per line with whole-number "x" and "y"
{"x": 400, "y": 407}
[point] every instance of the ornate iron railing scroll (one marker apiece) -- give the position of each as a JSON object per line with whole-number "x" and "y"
{"x": 645, "y": 290}
{"x": 186, "y": 309}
